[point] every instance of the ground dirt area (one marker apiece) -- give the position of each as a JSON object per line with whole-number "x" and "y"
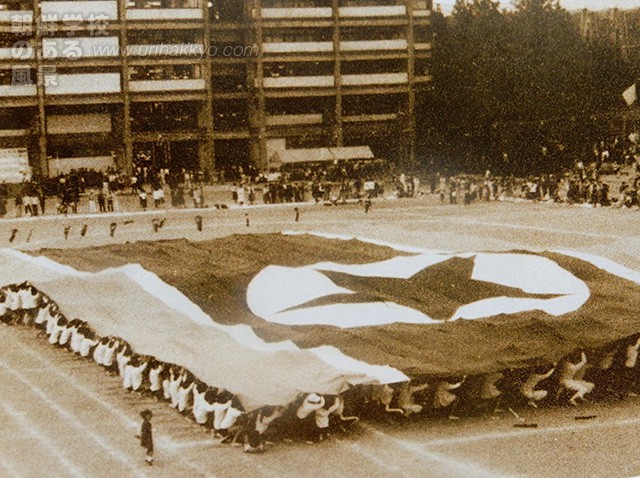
{"x": 63, "y": 416}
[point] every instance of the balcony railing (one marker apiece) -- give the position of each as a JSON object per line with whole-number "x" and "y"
{"x": 297, "y": 47}
{"x": 82, "y": 83}
{"x": 421, "y": 13}
{"x": 303, "y": 12}
{"x": 164, "y": 13}
{"x": 9, "y": 133}
{"x": 17, "y": 90}
{"x": 78, "y": 47}
{"x": 377, "y": 45}
{"x": 58, "y": 10}
{"x": 375, "y": 79}
{"x": 380, "y": 11}
{"x": 298, "y": 82}
{"x": 178, "y": 49}
{"x": 166, "y": 85}
{"x": 422, "y": 46}
{"x": 287, "y": 120}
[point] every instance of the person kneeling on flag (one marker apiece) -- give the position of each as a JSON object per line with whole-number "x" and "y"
{"x": 528, "y": 387}
{"x": 445, "y": 400}
{"x": 257, "y": 424}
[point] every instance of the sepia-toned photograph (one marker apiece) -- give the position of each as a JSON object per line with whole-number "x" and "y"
{"x": 323, "y": 238}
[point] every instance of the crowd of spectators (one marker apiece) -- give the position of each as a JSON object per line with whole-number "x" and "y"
{"x": 611, "y": 177}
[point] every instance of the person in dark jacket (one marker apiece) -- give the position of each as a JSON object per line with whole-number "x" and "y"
{"x": 146, "y": 435}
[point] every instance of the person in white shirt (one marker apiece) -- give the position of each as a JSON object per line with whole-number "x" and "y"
{"x": 444, "y": 399}
{"x": 228, "y": 427}
{"x": 406, "y": 394}
{"x": 528, "y": 388}
{"x": 166, "y": 376}
{"x": 257, "y": 424}
{"x": 332, "y": 403}
{"x": 220, "y": 407}
{"x": 4, "y": 307}
{"x": 13, "y": 304}
{"x": 207, "y": 405}
{"x": 176, "y": 376}
{"x": 310, "y": 404}
{"x": 184, "y": 392}
{"x": 29, "y": 298}
{"x": 98, "y": 352}
{"x": 89, "y": 341}
{"x": 489, "y": 393}
{"x": 57, "y": 329}
{"x": 630, "y": 372}
{"x": 109, "y": 359}
{"x": 43, "y": 313}
{"x": 201, "y": 408}
{"x": 569, "y": 380}
{"x": 65, "y": 334}
{"x": 384, "y": 396}
{"x": 133, "y": 374}
{"x": 155, "y": 377}
{"x": 123, "y": 356}
{"x": 77, "y": 334}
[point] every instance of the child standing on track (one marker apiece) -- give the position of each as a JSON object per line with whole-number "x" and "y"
{"x": 146, "y": 435}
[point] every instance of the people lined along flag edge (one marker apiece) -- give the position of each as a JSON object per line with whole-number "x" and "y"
{"x": 308, "y": 414}
{"x": 179, "y": 322}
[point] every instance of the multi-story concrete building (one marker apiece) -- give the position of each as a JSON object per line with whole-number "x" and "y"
{"x": 214, "y": 84}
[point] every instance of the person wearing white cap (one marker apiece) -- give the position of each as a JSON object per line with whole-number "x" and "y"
{"x": 331, "y": 405}
{"x": 310, "y": 404}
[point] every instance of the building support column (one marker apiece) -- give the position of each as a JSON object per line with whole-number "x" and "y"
{"x": 338, "y": 135}
{"x": 206, "y": 151}
{"x": 127, "y": 136}
{"x": 409, "y": 127}
{"x": 261, "y": 161}
{"x": 42, "y": 160}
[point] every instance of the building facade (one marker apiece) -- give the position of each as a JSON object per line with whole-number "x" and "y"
{"x": 214, "y": 85}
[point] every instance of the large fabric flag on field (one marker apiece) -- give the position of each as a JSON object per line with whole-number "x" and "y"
{"x": 413, "y": 311}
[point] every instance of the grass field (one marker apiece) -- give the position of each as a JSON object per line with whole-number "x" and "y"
{"x": 66, "y": 417}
